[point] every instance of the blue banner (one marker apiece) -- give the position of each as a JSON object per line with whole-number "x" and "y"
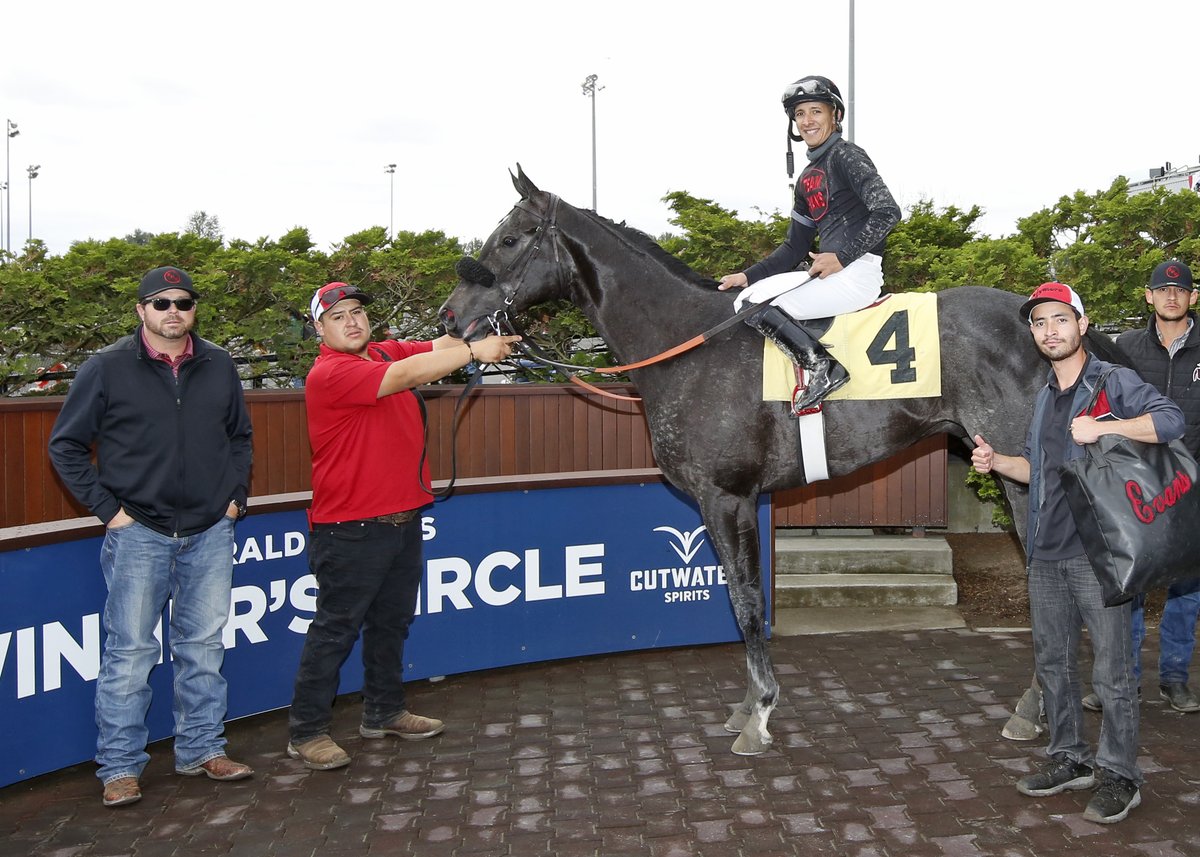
{"x": 511, "y": 577}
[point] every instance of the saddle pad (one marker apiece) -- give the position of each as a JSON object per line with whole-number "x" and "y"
{"x": 892, "y": 350}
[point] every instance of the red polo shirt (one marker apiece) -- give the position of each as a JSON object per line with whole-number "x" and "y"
{"x": 365, "y": 449}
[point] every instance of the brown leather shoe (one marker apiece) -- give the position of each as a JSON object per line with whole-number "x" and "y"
{"x": 411, "y": 727}
{"x": 219, "y": 768}
{"x": 122, "y": 791}
{"x": 319, "y": 754}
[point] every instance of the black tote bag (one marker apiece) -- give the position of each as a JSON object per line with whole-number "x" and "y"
{"x": 1137, "y": 508}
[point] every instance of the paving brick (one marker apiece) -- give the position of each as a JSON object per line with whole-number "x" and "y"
{"x": 886, "y": 744}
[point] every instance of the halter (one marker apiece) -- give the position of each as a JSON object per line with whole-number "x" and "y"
{"x": 547, "y": 227}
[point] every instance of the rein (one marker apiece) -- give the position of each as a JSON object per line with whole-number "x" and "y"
{"x": 502, "y": 323}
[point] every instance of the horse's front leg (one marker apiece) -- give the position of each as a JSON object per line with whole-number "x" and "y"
{"x": 733, "y": 525}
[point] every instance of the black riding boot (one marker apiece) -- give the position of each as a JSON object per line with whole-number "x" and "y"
{"x": 824, "y": 373}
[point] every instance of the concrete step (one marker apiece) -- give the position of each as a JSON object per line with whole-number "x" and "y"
{"x": 798, "y": 621}
{"x": 865, "y": 590}
{"x": 861, "y": 554}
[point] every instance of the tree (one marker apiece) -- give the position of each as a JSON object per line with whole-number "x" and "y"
{"x": 205, "y": 225}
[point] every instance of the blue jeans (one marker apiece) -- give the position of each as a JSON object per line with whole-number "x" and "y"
{"x": 368, "y": 575}
{"x": 1064, "y": 596}
{"x": 1176, "y": 634}
{"x": 143, "y": 569}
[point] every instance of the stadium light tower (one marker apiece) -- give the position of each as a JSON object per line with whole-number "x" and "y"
{"x": 10, "y": 131}
{"x": 590, "y": 89}
{"x": 390, "y": 169}
{"x": 33, "y": 174}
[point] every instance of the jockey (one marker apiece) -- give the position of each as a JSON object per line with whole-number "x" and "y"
{"x": 840, "y": 198}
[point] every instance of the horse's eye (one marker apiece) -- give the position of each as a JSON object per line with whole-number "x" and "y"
{"x": 509, "y": 241}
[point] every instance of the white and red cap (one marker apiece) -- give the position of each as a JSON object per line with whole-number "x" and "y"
{"x": 330, "y": 293}
{"x": 1060, "y": 292}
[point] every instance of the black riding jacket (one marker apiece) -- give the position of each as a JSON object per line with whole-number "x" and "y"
{"x": 173, "y": 452}
{"x": 1177, "y": 378}
{"x": 840, "y": 197}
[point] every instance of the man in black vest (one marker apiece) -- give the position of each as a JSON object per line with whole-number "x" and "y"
{"x": 1166, "y": 353}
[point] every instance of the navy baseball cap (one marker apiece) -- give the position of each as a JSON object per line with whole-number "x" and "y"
{"x": 1172, "y": 273}
{"x": 166, "y": 277}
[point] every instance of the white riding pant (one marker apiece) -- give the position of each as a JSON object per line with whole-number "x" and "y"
{"x": 802, "y": 297}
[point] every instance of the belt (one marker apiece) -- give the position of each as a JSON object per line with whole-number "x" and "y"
{"x": 395, "y": 519}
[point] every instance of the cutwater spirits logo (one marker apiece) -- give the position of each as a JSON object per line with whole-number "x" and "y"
{"x": 684, "y": 583}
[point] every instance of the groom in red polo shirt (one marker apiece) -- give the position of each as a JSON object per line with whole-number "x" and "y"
{"x": 367, "y": 435}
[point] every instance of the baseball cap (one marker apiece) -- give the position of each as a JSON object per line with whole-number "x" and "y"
{"x": 166, "y": 277}
{"x": 1052, "y": 292}
{"x": 330, "y": 293}
{"x": 1171, "y": 273}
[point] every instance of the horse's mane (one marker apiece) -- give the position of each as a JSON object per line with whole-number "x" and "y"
{"x": 643, "y": 243}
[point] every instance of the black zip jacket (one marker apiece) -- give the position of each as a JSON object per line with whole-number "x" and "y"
{"x": 1177, "y": 378}
{"x": 172, "y": 452}
{"x": 840, "y": 197}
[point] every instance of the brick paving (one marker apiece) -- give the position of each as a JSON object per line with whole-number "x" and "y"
{"x": 886, "y": 743}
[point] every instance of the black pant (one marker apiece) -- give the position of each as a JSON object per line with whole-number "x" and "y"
{"x": 368, "y": 575}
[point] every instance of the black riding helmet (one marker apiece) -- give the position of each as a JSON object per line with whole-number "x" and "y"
{"x": 811, "y": 88}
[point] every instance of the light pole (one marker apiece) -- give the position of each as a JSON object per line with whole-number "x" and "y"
{"x": 850, "y": 89}
{"x": 33, "y": 174}
{"x": 3, "y": 188}
{"x": 390, "y": 169}
{"x": 590, "y": 89}
{"x": 10, "y": 131}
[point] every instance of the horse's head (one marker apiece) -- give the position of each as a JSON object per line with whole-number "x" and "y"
{"x": 522, "y": 263}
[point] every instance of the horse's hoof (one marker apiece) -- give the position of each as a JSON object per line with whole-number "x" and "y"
{"x": 737, "y": 721}
{"x": 746, "y": 746}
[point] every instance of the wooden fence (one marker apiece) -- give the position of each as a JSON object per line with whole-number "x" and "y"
{"x": 504, "y": 430}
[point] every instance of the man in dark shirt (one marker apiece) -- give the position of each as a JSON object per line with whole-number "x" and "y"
{"x": 165, "y": 412}
{"x": 1064, "y": 594}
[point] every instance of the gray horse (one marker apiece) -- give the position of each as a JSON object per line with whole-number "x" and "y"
{"x": 713, "y": 436}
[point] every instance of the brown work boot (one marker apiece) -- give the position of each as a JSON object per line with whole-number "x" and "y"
{"x": 122, "y": 791}
{"x": 319, "y": 754}
{"x": 411, "y": 727}
{"x": 218, "y": 768}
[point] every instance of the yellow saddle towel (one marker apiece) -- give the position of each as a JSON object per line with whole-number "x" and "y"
{"x": 891, "y": 349}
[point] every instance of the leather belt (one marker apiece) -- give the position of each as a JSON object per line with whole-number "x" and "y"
{"x": 395, "y": 519}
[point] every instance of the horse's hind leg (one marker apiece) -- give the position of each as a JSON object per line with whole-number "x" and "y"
{"x": 733, "y": 525}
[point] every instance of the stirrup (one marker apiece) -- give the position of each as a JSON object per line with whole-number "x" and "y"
{"x": 799, "y": 393}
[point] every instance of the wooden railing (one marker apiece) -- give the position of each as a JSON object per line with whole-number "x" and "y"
{"x": 504, "y": 430}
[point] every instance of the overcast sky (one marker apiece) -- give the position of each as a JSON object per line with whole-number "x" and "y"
{"x": 275, "y": 115}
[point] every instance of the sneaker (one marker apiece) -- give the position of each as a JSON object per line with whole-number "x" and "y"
{"x": 1059, "y": 774}
{"x": 1180, "y": 697}
{"x": 411, "y": 727}
{"x": 319, "y": 754}
{"x": 1092, "y": 701}
{"x": 1113, "y": 800}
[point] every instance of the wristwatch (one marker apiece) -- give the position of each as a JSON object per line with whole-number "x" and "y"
{"x": 241, "y": 507}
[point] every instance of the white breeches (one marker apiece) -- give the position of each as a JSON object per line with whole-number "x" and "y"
{"x": 857, "y": 285}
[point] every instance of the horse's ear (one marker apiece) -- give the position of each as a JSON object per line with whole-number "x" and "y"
{"x": 521, "y": 182}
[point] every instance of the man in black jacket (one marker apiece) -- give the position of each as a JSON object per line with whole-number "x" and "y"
{"x": 164, "y": 410}
{"x": 1166, "y": 353}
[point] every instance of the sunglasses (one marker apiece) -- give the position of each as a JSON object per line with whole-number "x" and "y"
{"x": 334, "y": 295}
{"x": 164, "y": 304}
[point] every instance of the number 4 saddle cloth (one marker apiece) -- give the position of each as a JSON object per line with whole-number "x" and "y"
{"x": 892, "y": 350}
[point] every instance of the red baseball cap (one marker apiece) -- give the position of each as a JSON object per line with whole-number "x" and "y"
{"x": 330, "y": 293}
{"x": 1052, "y": 292}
